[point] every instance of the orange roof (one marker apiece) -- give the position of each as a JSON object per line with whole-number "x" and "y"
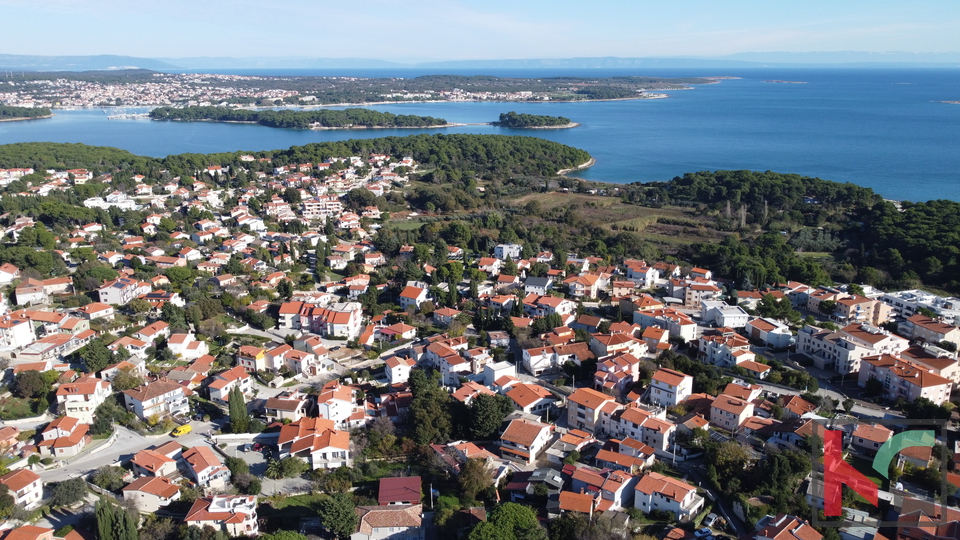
{"x": 576, "y": 502}
{"x": 589, "y": 398}
{"x": 154, "y": 485}
{"x": 523, "y": 432}
{"x": 670, "y": 488}
{"x": 669, "y": 376}
{"x": 19, "y": 479}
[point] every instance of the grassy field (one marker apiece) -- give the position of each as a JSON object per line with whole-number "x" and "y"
{"x": 12, "y": 408}
{"x": 404, "y": 225}
{"x": 668, "y": 226}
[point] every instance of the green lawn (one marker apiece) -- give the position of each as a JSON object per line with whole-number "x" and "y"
{"x": 13, "y": 408}
{"x": 404, "y": 225}
{"x": 865, "y": 466}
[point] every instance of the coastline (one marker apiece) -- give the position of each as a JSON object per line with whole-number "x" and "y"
{"x": 585, "y": 165}
{"x": 24, "y": 118}
{"x": 563, "y": 126}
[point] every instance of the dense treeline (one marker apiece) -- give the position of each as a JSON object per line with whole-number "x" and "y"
{"x": 920, "y": 242}
{"x": 9, "y": 113}
{"x": 607, "y": 92}
{"x": 447, "y": 156}
{"x": 41, "y": 156}
{"x": 523, "y": 120}
{"x": 297, "y": 119}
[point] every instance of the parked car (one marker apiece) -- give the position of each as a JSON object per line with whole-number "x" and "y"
{"x": 181, "y": 430}
{"x": 257, "y": 447}
{"x": 711, "y": 520}
{"x": 703, "y": 532}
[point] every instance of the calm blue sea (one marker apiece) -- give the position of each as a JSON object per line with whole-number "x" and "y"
{"x": 882, "y": 128}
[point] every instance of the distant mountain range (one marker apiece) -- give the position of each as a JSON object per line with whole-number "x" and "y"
{"x": 759, "y": 59}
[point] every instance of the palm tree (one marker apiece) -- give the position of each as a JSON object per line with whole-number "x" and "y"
{"x": 274, "y": 470}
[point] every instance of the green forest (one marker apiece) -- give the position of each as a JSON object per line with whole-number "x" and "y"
{"x": 10, "y": 113}
{"x": 523, "y": 120}
{"x": 297, "y": 119}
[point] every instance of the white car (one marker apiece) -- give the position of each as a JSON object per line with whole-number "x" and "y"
{"x": 711, "y": 520}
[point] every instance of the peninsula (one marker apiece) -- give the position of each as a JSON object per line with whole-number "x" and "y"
{"x": 11, "y": 114}
{"x": 533, "y": 121}
{"x": 286, "y": 118}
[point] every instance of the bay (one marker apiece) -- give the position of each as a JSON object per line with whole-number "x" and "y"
{"x": 882, "y": 128}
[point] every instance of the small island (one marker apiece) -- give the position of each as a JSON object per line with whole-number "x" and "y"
{"x": 515, "y": 120}
{"x": 286, "y": 118}
{"x": 11, "y": 114}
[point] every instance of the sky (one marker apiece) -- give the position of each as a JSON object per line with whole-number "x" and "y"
{"x": 425, "y": 30}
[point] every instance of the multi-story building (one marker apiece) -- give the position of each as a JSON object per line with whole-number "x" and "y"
{"x": 669, "y": 387}
{"x": 505, "y": 251}
{"x": 904, "y": 379}
{"x": 678, "y": 325}
{"x": 587, "y": 409}
{"x": 906, "y": 303}
{"x": 720, "y": 313}
{"x": 922, "y": 328}
{"x": 842, "y": 351}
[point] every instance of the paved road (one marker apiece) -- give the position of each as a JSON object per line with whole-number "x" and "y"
{"x": 723, "y": 504}
{"x": 122, "y": 449}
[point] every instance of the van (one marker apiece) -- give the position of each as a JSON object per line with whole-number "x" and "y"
{"x": 181, "y": 430}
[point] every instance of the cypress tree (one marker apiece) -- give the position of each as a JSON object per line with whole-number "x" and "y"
{"x": 105, "y": 518}
{"x": 239, "y": 419}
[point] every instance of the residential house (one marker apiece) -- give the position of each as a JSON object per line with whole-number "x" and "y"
{"x": 122, "y": 290}
{"x": 25, "y": 488}
{"x": 869, "y": 438}
{"x": 81, "y": 398}
{"x": 162, "y": 397}
{"x": 412, "y": 296}
{"x": 317, "y": 441}
{"x": 537, "y": 285}
{"x": 729, "y": 413}
{"x": 655, "y": 491}
{"x": 153, "y": 462}
{"x": 531, "y": 398}
{"x": 770, "y": 332}
{"x": 401, "y": 522}
{"x": 150, "y": 494}
{"x": 235, "y": 515}
{"x": 399, "y": 490}
{"x": 524, "y": 440}
{"x": 223, "y": 383}
{"x": 205, "y": 468}
{"x": 398, "y": 369}
{"x": 30, "y": 291}
{"x": 187, "y": 347}
{"x": 291, "y": 405}
{"x": 63, "y": 438}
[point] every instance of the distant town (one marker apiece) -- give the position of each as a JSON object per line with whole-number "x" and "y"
{"x": 149, "y": 89}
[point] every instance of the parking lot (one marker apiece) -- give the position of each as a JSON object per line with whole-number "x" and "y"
{"x": 258, "y": 467}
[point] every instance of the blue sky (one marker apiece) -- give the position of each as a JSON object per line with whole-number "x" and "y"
{"x": 415, "y": 30}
